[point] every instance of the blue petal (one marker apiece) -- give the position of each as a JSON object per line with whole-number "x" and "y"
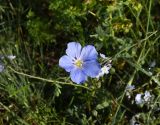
{"x": 89, "y": 53}
{"x": 91, "y": 68}
{"x": 73, "y": 49}
{"x": 78, "y": 76}
{"x": 66, "y": 63}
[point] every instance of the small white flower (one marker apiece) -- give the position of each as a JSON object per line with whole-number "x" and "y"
{"x": 129, "y": 89}
{"x": 11, "y": 57}
{"x": 139, "y": 99}
{"x": 147, "y": 96}
{"x": 152, "y": 64}
{"x": 104, "y": 70}
{"x": 1, "y": 67}
{"x": 103, "y": 56}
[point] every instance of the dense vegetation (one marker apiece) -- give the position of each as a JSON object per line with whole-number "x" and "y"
{"x": 34, "y": 34}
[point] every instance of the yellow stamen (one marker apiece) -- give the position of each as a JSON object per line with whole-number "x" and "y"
{"x": 79, "y": 63}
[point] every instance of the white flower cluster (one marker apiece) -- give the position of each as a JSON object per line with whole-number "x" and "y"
{"x": 141, "y": 99}
{"x": 105, "y": 69}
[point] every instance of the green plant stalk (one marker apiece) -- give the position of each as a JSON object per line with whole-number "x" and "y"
{"x": 145, "y": 72}
{"x": 138, "y": 61}
{"x": 127, "y": 48}
{"x": 47, "y": 80}
{"x": 138, "y": 21}
{"x": 148, "y": 19}
{"x": 152, "y": 109}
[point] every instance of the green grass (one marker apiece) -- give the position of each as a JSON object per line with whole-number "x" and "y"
{"x": 34, "y": 90}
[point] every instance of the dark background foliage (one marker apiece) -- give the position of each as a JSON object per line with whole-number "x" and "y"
{"x": 37, "y": 33}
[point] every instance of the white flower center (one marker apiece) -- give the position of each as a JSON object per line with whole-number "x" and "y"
{"x": 79, "y": 63}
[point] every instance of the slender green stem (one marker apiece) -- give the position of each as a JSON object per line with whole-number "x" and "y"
{"x": 119, "y": 106}
{"x": 137, "y": 19}
{"x": 138, "y": 67}
{"x": 148, "y": 19}
{"x": 148, "y": 116}
{"x": 47, "y": 80}
{"x": 127, "y": 48}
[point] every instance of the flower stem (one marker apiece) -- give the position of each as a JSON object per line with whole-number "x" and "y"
{"x": 47, "y": 80}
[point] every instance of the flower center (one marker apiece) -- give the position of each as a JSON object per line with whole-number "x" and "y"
{"x": 79, "y": 63}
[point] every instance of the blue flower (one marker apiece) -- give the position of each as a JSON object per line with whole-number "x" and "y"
{"x": 80, "y": 62}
